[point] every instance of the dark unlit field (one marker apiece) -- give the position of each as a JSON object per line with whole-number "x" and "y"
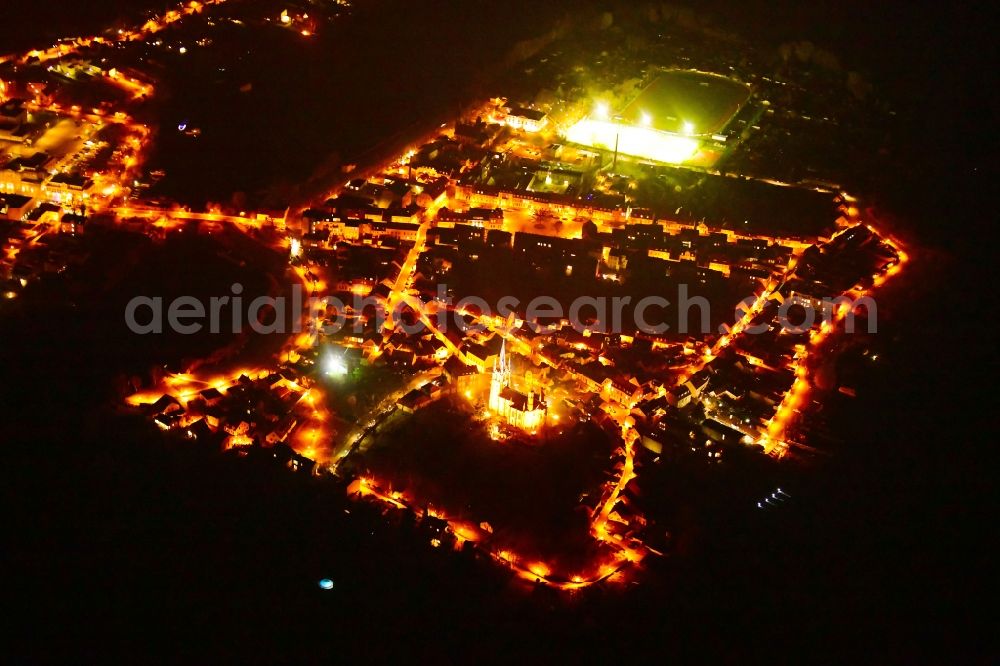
{"x": 529, "y": 492}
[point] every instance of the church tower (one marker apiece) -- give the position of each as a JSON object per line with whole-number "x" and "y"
{"x": 501, "y": 377}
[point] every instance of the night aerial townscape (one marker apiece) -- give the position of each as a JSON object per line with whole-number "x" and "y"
{"x": 541, "y": 332}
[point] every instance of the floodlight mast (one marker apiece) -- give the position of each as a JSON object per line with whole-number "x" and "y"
{"x": 618, "y": 134}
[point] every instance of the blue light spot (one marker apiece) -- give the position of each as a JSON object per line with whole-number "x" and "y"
{"x": 326, "y": 584}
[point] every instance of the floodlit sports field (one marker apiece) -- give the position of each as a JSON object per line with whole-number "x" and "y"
{"x": 668, "y": 120}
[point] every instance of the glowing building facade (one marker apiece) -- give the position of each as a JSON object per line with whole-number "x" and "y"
{"x": 520, "y": 410}
{"x": 529, "y": 120}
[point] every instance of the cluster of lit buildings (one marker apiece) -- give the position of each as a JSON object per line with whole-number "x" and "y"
{"x": 34, "y": 173}
{"x": 456, "y": 193}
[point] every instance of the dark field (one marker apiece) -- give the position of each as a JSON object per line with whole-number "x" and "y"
{"x": 529, "y": 491}
{"x": 86, "y": 353}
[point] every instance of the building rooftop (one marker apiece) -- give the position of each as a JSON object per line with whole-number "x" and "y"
{"x": 525, "y": 112}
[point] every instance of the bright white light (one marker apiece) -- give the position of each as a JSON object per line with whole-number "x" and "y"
{"x": 296, "y": 248}
{"x": 182, "y": 50}
{"x": 602, "y": 111}
{"x": 646, "y": 119}
{"x": 688, "y": 128}
{"x": 633, "y": 140}
{"x": 334, "y": 366}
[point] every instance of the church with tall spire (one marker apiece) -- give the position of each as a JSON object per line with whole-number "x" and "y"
{"x": 520, "y": 410}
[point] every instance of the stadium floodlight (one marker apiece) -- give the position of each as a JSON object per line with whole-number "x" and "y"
{"x": 632, "y": 140}
{"x": 334, "y": 366}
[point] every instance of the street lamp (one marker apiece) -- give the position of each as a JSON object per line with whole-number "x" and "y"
{"x": 334, "y": 366}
